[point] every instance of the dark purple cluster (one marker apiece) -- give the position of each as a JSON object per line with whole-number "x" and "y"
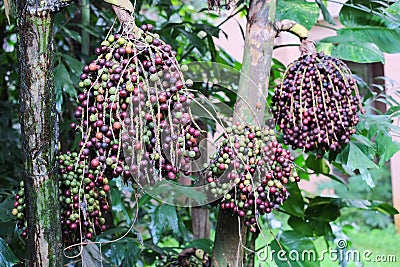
{"x": 316, "y": 105}
{"x": 19, "y": 210}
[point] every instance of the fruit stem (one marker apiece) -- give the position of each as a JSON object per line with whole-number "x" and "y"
{"x": 307, "y": 46}
{"x": 127, "y": 21}
{"x": 292, "y": 27}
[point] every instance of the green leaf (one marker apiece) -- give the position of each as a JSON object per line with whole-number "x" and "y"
{"x": 386, "y": 39}
{"x": 118, "y": 203}
{"x": 294, "y": 205}
{"x": 320, "y": 166}
{"x": 385, "y": 146}
{"x": 377, "y": 205}
{"x": 73, "y": 64}
{"x": 171, "y": 192}
{"x": 384, "y": 208}
{"x": 125, "y": 252}
{"x": 5, "y": 210}
{"x": 301, "y": 167}
{"x": 394, "y": 9}
{"x": 351, "y": 50}
{"x": 364, "y": 13}
{"x": 164, "y": 216}
{"x": 375, "y": 219}
{"x": 357, "y": 160}
{"x": 209, "y": 29}
{"x": 363, "y": 140}
{"x": 194, "y": 40}
{"x": 327, "y": 16}
{"x": 204, "y": 244}
{"x": 310, "y": 227}
{"x": 301, "y": 11}
{"x": 323, "y": 209}
{"x": 62, "y": 83}
{"x": 360, "y": 52}
{"x": 325, "y": 47}
{"x": 91, "y": 256}
{"x": 338, "y": 179}
{"x": 366, "y": 176}
{"x": 71, "y": 34}
{"x": 393, "y": 110}
{"x": 7, "y": 257}
{"x": 297, "y": 250}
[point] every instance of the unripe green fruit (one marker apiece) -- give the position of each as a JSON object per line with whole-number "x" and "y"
{"x": 111, "y": 38}
{"x": 184, "y": 68}
{"x": 14, "y": 212}
{"x": 75, "y": 190}
{"x": 105, "y": 43}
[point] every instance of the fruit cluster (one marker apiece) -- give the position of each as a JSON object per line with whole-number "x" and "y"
{"x": 316, "y": 104}
{"x": 83, "y": 195}
{"x": 134, "y": 117}
{"x": 19, "y": 210}
{"x": 134, "y": 113}
{"x": 135, "y": 100}
{"x": 250, "y": 170}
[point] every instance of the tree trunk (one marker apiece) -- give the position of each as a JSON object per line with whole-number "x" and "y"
{"x": 85, "y": 9}
{"x": 201, "y": 215}
{"x": 249, "y": 109}
{"x": 38, "y": 124}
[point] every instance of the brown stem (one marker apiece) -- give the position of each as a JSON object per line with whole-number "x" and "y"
{"x": 249, "y": 109}
{"x": 127, "y": 21}
{"x": 307, "y": 47}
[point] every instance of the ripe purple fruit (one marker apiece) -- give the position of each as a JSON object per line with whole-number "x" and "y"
{"x": 316, "y": 104}
{"x": 249, "y": 168}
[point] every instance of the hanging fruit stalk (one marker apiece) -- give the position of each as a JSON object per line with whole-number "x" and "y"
{"x": 250, "y": 171}
{"x": 316, "y": 105}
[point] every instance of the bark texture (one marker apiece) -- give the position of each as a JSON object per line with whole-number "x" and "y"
{"x": 38, "y": 124}
{"x": 256, "y": 65}
{"x": 201, "y": 215}
{"x": 249, "y": 109}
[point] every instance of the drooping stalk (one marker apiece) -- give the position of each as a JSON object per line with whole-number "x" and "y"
{"x": 38, "y": 127}
{"x": 249, "y": 109}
